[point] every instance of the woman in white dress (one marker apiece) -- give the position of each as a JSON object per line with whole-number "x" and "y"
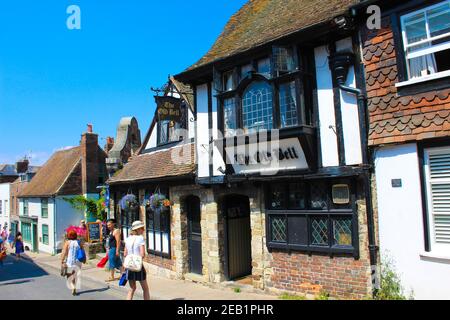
{"x": 69, "y": 260}
{"x": 135, "y": 244}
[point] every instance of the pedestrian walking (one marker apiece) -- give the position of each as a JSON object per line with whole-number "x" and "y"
{"x": 2, "y": 252}
{"x": 69, "y": 259}
{"x": 10, "y": 238}
{"x": 113, "y": 243}
{"x": 18, "y": 244}
{"x": 135, "y": 245}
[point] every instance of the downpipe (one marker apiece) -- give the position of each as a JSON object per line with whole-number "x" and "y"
{"x": 339, "y": 64}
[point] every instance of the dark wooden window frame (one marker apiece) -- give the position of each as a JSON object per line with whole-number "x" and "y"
{"x": 301, "y": 76}
{"x": 161, "y": 232}
{"x": 395, "y": 18}
{"x": 330, "y": 214}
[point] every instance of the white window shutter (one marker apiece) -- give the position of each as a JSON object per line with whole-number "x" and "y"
{"x": 439, "y": 195}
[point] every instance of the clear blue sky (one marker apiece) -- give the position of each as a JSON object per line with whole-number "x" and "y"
{"x": 53, "y": 81}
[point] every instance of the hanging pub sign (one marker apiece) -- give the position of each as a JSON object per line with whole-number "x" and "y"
{"x": 169, "y": 108}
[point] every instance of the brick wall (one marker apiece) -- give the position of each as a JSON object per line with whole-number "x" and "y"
{"x": 397, "y": 117}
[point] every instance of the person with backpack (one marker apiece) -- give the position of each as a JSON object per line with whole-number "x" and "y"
{"x": 72, "y": 259}
{"x": 134, "y": 253}
{"x": 18, "y": 244}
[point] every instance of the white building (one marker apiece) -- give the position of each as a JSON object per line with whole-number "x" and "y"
{"x": 44, "y": 212}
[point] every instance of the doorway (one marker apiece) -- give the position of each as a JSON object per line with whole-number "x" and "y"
{"x": 194, "y": 234}
{"x": 35, "y": 239}
{"x": 238, "y": 233}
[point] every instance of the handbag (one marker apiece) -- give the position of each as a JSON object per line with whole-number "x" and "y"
{"x": 102, "y": 262}
{"x": 123, "y": 279}
{"x": 133, "y": 262}
{"x": 81, "y": 255}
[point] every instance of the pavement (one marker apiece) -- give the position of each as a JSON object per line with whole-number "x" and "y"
{"x": 42, "y": 271}
{"x": 25, "y": 280}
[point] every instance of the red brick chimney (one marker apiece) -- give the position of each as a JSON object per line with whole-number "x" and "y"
{"x": 89, "y": 161}
{"x": 109, "y": 144}
{"x": 22, "y": 166}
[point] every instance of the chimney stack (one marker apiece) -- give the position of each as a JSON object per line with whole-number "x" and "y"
{"x": 22, "y": 165}
{"x": 89, "y": 161}
{"x": 109, "y": 144}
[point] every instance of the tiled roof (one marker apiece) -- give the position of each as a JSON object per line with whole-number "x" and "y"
{"x": 261, "y": 21}
{"x": 395, "y": 117}
{"x": 52, "y": 176}
{"x": 173, "y": 162}
{"x": 186, "y": 92}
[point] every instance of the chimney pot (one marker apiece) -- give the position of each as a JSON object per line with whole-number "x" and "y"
{"x": 89, "y": 128}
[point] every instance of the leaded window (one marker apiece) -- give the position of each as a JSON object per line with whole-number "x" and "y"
{"x": 229, "y": 117}
{"x": 284, "y": 60}
{"x": 301, "y": 216}
{"x": 257, "y": 107}
{"x": 288, "y": 105}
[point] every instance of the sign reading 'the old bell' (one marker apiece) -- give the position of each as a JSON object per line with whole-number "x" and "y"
{"x": 169, "y": 108}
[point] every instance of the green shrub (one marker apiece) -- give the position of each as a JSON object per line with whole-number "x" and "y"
{"x": 237, "y": 290}
{"x": 287, "y": 296}
{"x": 390, "y": 283}
{"x": 323, "y": 295}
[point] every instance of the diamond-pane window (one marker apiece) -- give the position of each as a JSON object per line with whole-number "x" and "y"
{"x": 342, "y": 229}
{"x": 319, "y": 231}
{"x": 279, "y": 229}
{"x": 318, "y": 195}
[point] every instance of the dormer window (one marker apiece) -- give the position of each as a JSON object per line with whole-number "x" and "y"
{"x": 228, "y": 81}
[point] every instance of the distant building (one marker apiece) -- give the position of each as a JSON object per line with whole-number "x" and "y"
{"x": 44, "y": 213}
{"x": 9, "y": 174}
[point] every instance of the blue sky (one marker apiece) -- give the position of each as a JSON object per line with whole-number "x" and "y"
{"x": 53, "y": 81}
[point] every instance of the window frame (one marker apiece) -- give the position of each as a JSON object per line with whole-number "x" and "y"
{"x": 47, "y": 234}
{"x": 300, "y": 75}
{"x": 161, "y": 232}
{"x": 42, "y": 208}
{"x": 406, "y": 45}
{"x": 432, "y": 246}
{"x": 25, "y": 212}
{"x": 331, "y": 214}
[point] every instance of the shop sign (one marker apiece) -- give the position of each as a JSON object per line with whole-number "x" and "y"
{"x": 267, "y": 158}
{"x": 169, "y": 108}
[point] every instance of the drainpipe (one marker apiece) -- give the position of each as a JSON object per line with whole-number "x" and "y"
{"x": 339, "y": 64}
{"x": 55, "y": 251}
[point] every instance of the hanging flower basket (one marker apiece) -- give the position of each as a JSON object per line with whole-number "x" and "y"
{"x": 127, "y": 201}
{"x": 158, "y": 201}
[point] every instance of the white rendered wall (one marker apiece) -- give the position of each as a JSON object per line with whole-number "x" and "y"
{"x": 202, "y": 140}
{"x": 4, "y": 198}
{"x": 217, "y": 155}
{"x": 328, "y": 139}
{"x": 349, "y": 112}
{"x": 401, "y": 224}
{"x": 65, "y": 217}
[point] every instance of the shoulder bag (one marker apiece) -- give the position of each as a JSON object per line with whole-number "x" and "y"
{"x": 133, "y": 262}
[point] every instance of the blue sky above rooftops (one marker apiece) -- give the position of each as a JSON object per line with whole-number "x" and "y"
{"x": 53, "y": 81}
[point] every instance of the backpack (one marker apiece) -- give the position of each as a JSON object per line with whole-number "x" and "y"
{"x": 81, "y": 254}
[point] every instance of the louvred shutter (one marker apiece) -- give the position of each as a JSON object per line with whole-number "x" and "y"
{"x": 439, "y": 178}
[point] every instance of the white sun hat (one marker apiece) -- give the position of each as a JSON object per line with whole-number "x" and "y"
{"x": 137, "y": 225}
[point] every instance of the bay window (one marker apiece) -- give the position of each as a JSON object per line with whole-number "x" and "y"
{"x": 271, "y": 92}
{"x": 304, "y": 216}
{"x": 426, "y": 40}
{"x": 257, "y": 107}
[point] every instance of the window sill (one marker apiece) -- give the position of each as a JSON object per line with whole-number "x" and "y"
{"x": 435, "y": 256}
{"x": 431, "y": 77}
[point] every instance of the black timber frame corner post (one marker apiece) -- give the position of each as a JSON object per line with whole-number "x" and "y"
{"x": 339, "y": 66}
